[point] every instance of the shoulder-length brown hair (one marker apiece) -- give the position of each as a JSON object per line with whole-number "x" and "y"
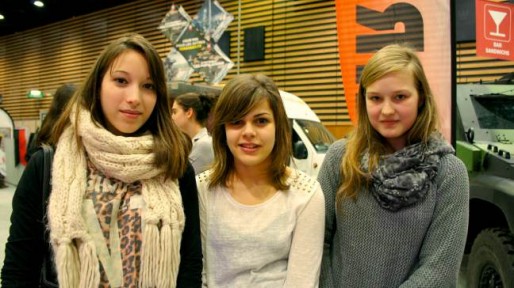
{"x": 240, "y": 95}
{"x": 171, "y": 147}
{"x": 364, "y": 138}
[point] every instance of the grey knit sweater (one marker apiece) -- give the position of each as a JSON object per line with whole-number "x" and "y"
{"x": 418, "y": 246}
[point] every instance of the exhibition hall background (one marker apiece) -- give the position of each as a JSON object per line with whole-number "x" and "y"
{"x": 299, "y": 52}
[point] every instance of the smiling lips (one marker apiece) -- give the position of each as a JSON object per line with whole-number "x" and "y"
{"x": 249, "y": 147}
{"x": 131, "y": 113}
{"x": 388, "y": 122}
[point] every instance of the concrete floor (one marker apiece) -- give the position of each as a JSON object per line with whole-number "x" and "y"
{"x": 5, "y": 213}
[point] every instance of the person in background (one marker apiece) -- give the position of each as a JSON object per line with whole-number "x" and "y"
{"x": 396, "y": 195}
{"x": 191, "y": 113}
{"x": 262, "y": 221}
{"x": 61, "y": 97}
{"x": 123, "y": 208}
{"x": 3, "y": 164}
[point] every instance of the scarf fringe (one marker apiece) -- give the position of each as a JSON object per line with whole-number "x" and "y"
{"x": 165, "y": 272}
{"x": 67, "y": 261}
{"x": 89, "y": 268}
{"x": 149, "y": 256}
{"x": 177, "y": 236}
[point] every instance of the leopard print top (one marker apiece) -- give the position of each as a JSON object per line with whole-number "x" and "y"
{"x": 112, "y": 198}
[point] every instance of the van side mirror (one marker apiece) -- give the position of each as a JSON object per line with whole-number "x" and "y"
{"x": 299, "y": 150}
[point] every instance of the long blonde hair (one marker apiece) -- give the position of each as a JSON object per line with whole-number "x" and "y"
{"x": 364, "y": 138}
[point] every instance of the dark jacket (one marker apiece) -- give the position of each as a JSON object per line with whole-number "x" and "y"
{"x": 26, "y": 246}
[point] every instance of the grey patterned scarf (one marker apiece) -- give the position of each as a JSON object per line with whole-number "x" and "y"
{"x": 406, "y": 176}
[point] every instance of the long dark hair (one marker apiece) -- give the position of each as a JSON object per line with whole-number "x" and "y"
{"x": 171, "y": 146}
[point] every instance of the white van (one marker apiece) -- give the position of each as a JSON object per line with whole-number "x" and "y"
{"x": 310, "y": 138}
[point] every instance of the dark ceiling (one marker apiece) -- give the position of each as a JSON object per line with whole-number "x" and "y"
{"x": 22, "y": 15}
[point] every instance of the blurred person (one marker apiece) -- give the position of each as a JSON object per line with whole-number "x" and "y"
{"x": 3, "y": 164}
{"x": 61, "y": 97}
{"x": 191, "y": 114}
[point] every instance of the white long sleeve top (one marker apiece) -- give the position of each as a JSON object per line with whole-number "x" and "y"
{"x": 277, "y": 243}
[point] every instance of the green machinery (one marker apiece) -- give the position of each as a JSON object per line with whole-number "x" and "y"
{"x": 485, "y": 142}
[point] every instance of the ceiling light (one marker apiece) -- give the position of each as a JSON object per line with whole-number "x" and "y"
{"x": 39, "y": 4}
{"x": 2, "y": 17}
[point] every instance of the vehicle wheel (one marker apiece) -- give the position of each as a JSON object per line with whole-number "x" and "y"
{"x": 491, "y": 262}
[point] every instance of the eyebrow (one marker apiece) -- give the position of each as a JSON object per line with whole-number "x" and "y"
{"x": 118, "y": 71}
{"x": 127, "y": 73}
{"x": 262, "y": 114}
{"x": 395, "y": 91}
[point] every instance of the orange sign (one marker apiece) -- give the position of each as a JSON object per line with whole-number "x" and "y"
{"x": 364, "y": 26}
{"x": 494, "y": 29}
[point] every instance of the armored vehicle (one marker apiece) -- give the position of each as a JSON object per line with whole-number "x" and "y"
{"x": 484, "y": 141}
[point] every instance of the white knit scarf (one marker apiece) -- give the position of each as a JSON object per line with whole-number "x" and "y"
{"x": 128, "y": 159}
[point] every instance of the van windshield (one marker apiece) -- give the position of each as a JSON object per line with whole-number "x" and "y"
{"x": 319, "y": 136}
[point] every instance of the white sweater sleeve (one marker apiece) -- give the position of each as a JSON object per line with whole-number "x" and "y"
{"x": 303, "y": 268}
{"x": 202, "y": 201}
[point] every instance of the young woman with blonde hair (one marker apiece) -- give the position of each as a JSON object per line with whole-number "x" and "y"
{"x": 396, "y": 195}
